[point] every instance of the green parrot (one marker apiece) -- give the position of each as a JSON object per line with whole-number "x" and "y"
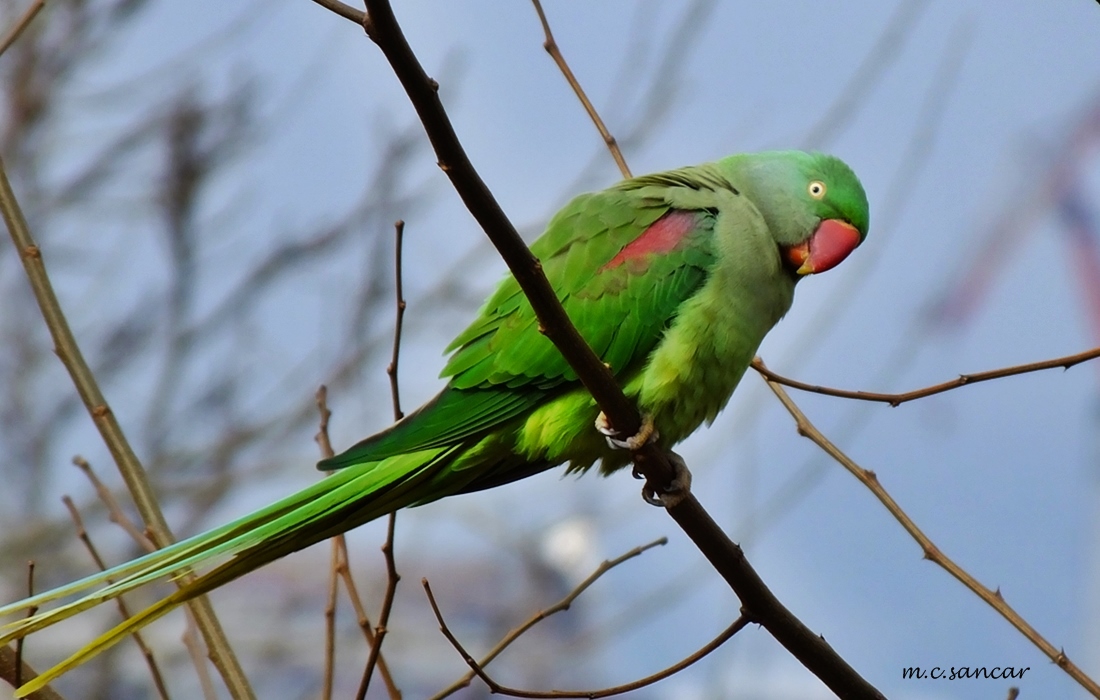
{"x": 673, "y": 278}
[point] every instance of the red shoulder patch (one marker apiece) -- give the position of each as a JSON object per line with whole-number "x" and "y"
{"x": 662, "y": 236}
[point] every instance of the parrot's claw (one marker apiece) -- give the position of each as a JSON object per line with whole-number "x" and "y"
{"x": 646, "y": 433}
{"x": 678, "y": 489}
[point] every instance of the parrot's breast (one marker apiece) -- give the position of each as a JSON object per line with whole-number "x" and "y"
{"x": 693, "y": 371}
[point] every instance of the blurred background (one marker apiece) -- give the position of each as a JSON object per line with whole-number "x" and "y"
{"x": 214, "y": 187}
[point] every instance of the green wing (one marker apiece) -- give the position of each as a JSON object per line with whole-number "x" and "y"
{"x": 620, "y": 300}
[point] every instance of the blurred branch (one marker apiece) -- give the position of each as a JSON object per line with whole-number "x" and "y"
{"x": 328, "y": 667}
{"x": 133, "y": 474}
{"x": 194, "y": 648}
{"x": 931, "y": 551}
{"x": 19, "y": 644}
{"x": 20, "y": 24}
{"x": 551, "y": 47}
{"x": 198, "y": 136}
{"x": 362, "y": 620}
{"x": 286, "y": 257}
{"x": 124, "y": 610}
{"x": 809, "y": 337}
{"x": 116, "y": 515}
{"x": 962, "y": 380}
{"x": 13, "y": 669}
{"x": 340, "y": 569}
{"x": 328, "y": 672}
{"x": 884, "y": 52}
{"x": 759, "y": 604}
{"x": 114, "y": 510}
{"x": 561, "y": 606}
{"x": 497, "y": 688}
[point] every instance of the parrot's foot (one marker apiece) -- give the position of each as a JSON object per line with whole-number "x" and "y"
{"x": 645, "y": 434}
{"x": 678, "y": 489}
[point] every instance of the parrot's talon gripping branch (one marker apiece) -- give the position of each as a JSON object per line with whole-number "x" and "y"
{"x": 676, "y": 491}
{"x": 647, "y": 433}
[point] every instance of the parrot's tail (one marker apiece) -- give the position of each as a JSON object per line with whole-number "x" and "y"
{"x": 344, "y": 500}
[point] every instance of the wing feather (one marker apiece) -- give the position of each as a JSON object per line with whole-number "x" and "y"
{"x": 502, "y": 367}
{"x": 621, "y": 310}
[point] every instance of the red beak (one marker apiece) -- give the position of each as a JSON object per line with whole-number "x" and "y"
{"x": 825, "y": 249}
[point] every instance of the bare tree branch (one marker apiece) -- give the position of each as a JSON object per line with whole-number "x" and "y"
{"x": 392, "y": 577}
{"x": 114, "y": 509}
{"x": 20, "y": 24}
{"x": 14, "y": 671}
{"x": 345, "y": 11}
{"x": 551, "y": 47}
{"x": 19, "y": 644}
{"x": 561, "y": 606}
{"x": 340, "y": 569}
{"x": 896, "y": 400}
{"x": 391, "y": 369}
{"x": 123, "y": 609}
{"x": 497, "y": 688}
{"x": 104, "y": 419}
{"x": 931, "y": 551}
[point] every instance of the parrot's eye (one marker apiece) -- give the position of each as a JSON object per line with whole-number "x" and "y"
{"x": 817, "y": 189}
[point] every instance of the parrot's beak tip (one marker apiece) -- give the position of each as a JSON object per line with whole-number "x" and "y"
{"x": 830, "y": 243}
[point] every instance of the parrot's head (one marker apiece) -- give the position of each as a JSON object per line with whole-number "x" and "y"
{"x": 814, "y": 206}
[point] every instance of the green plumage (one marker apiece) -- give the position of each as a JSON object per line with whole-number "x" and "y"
{"x": 673, "y": 279}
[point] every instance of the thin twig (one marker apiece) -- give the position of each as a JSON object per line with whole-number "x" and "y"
{"x": 137, "y": 481}
{"x": 322, "y": 438}
{"x": 497, "y": 688}
{"x": 392, "y": 577}
{"x": 341, "y": 569}
{"x": 363, "y": 620}
{"x": 114, "y": 509}
{"x": 345, "y": 11}
{"x": 328, "y": 672}
{"x": 931, "y": 551}
{"x": 20, "y": 24}
{"x": 727, "y": 558}
{"x": 962, "y": 380}
{"x": 86, "y": 540}
{"x": 551, "y": 47}
{"x": 30, "y": 613}
{"x": 194, "y": 647}
{"x": 560, "y": 606}
{"x": 117, "y": 515}
{"x": 391, "y": 369}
